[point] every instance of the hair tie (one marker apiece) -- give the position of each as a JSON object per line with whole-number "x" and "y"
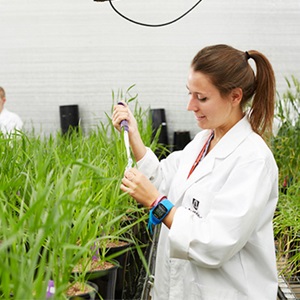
{"x": 247, "y": 55}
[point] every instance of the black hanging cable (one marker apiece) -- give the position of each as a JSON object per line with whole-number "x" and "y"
{"x": 153, "y": 25}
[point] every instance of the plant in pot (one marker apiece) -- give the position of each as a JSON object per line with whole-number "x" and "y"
{"x": 114, "y": 238}
{"x": 98, "y": 270}
{"x": 118, "y": 240}
{"x": 91, "y": 265}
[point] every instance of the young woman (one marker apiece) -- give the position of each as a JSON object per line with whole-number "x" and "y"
{"x": 216, "y": 198}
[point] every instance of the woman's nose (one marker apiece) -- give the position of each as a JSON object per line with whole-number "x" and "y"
{"x": 192, "y": 104}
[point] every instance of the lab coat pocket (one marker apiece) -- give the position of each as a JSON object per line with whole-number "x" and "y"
{"x": 179, "y": 268}
{"x": 200, "y": 292}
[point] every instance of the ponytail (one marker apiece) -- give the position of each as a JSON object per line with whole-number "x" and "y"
{"x": 262, "y": 109}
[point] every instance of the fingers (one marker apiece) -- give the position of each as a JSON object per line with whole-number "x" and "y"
{"x": 131, "y": 174}
{"x": 126, "y": 189}
{"x": 139, "y": 187}
{"x": 120, "y": 113}
{"x": 130, "y": 181}
{"x": 128, "y": 184}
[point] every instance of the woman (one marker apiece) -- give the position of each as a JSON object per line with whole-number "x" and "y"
{"x": 217, "y": 238}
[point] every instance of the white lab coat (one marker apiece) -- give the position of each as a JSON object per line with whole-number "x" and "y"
{"x": 9, "y": 122}
{"x": 220, "y": 245}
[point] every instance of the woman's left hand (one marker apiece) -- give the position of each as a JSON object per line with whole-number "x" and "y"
{"x": 138, "y": 186}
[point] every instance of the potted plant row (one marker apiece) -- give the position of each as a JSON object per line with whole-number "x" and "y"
{"x": 61, "y": 206}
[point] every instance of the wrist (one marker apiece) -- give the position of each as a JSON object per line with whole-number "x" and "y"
{"x": 137, "y": 146}
{"x": 157, "y": 200}
{"x": 159, "y": 212}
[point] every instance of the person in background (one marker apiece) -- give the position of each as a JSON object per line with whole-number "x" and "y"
{"x": 215, "y": 198}
{"x": 9, "y": 121}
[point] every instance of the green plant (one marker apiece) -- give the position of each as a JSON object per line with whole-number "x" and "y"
{"x": 287, "y": 231}
{"x": 286, "y": 149}
{"x": 286, "y": 144}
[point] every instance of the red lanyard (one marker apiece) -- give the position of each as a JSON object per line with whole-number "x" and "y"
{"x": 202, "y": 154}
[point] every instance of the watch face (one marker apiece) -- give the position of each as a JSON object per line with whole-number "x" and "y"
{"x": 159, "y": 211}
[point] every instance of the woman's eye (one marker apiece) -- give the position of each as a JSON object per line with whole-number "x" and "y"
{"x": 201, "y": 99}
{"x": 197, "y": 96}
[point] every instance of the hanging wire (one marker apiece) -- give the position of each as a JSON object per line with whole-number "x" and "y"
{"x": 153, "y": 25}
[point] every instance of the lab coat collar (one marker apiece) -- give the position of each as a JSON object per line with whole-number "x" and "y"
{"x": 232, "y": 139}
{"x": 229, "y": 142}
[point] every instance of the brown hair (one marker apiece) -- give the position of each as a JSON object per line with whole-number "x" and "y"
{"x": 228, "y": 68}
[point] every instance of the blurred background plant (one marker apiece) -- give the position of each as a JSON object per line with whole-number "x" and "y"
{"x": 286, "y": 149}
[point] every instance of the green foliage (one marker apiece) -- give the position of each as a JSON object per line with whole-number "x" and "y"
{"x": 58, "y": 196}
{"x": 286, "y": 149}
{"x": 287, "y": 231}
{"x": 286, "y": 145}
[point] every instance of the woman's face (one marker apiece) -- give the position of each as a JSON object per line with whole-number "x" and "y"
{"x": 212, "y": 111}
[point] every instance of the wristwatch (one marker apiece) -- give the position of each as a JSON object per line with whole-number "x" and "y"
{"x": 159, "y": 212}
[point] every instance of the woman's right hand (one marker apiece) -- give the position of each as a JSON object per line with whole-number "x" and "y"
{"x": 122, "y": 112}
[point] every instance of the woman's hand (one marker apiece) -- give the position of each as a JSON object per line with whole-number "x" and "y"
{"x": 122, "y": 112}
{"x": 139, "y": 187}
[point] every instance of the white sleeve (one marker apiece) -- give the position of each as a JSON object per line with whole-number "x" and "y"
{"x": 160, "y": 173}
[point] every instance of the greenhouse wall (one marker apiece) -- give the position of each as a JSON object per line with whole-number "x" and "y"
{"x": 69, "y": 52}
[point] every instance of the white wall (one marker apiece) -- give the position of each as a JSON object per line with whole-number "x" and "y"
{"x": 57, "y": 52}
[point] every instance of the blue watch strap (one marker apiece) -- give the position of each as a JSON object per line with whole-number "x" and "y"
{"x": 165, "y": 207}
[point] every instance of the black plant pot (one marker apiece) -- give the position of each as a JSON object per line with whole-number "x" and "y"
{"x": 159, "y": 122}
{"x": 105, "y": 280}
{"x": 181, "y": 139}
{"x": 69, "y": 118}
{"x": 88, "y": 296}
{"x": 122, "y": 260}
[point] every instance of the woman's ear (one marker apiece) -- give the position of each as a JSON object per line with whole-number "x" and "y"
{"x": 236, "y": 96}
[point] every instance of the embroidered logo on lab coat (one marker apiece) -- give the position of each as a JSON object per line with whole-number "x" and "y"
{"x": 195, "y": 203}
